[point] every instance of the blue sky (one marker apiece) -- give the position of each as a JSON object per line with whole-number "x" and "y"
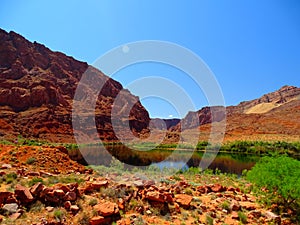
{"x": 252, "y": 47}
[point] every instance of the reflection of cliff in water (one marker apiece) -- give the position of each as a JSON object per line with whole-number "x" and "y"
{"x": 100, "y": 155}
{"x": 226, "y": 162}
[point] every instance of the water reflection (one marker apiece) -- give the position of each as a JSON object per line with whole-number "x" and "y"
{"x": 229, "y": 163}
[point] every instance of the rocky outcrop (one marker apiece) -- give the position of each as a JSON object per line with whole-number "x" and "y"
{"x": 281, "y": 96}
{"x": 204, "y": 116}
{"x": 37, "y": 88}
{"x": 164, "y": 123}
{"x": 127, "y": 198}
{"x": 274, "y": 116}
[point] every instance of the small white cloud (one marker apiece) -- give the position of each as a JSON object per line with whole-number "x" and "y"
{"x": 171, "y": 116}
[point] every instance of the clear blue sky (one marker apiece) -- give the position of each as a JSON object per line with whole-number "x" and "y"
{"x": 252, "y": 46}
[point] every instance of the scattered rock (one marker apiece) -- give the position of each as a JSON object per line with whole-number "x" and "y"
{"x": 2, "y": 173}
{"x": 74, "y": 209}
{"x": 148, "y": 183}
{"x": 94, "y": 186}
{"x": 49, "y": 208}
{"x": 155, "y": 196}
{"x": 15, "y": 216}
{"x": 204, "y": 189}
{"x": 4, "y": 195}
{"x": 234, "y": 206}
{"x": 23, "y": 194}
{"x": 230, "y": 188}
{"x": 59, "y": 193}
{"x": 217, "y": 188}
{"x": 255, "y": 214}
{"x": 36, "y": 189}
{"x": 70, "y": 196}
{"x": 45, "y": 174}
{"x": 273, "y": 217}
{"x": 65, "y": 188}
{"x": 67, "y": 205}
{"x": 6, "y": 166}
{"x": 33, "y": 174}
{"x": 248, "y": 205}
{"x": 97, "y": 220}
{"x": 183, "y": 199}
{"x": 168, "y": 197}
{"x": 106, "y": 209}
{"x": 234, "y": 215}
{"x": 10, "y": 208}
{"x": 138, "y": 183}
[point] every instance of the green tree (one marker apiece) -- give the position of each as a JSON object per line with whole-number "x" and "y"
{"x": 279, "y": 176}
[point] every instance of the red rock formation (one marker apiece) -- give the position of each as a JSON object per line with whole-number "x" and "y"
{"x": 274, "y": 116}
{"x": 283, "y": 95}
{"x": 37, "y": 88}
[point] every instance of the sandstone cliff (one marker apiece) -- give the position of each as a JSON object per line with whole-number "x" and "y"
{"x": 37, "y": 87}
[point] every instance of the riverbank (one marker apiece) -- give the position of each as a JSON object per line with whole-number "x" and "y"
{"x": 114, "y": 195}
{"x": 245, "y": 147}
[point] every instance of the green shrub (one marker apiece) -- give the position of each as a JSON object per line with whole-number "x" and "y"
{"x": 226, "y": 205}
{"x": 280, "y": 177}
{"x": 65, "y": 179}
{"x": 9, "y": 178}
{"x": 35, "y": 180}
{"x": 242, "y": 217}
{"x": 209, "y": 220}
{"x": 59, "y": 215}
{"x": 31, "y": 160}
{"x": 93, "y": 202}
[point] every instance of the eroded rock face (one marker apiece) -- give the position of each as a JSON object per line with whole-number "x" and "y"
{"x": 204, "y": 116}
{"x": 283, "y": 95}
{"x": 37, "y": 88}
{"x": 251, "y": 119}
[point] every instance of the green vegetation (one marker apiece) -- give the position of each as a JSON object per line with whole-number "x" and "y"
{"x": 277, "y": 181}
{"x": 226, "y": 205}
{"x": 209, "y": 220}
{"x": 245, "y": 147}
{"x": 35, "y": 180}
{"x": 65, "y": 179}
{"x": 59, "y": 215}
{"x": 10, "y": 178}
{"x": 261, "y": 147}
{"x": 242, "y": 217}
{"x": 31, "y": 160}
{"x": 93, "y": 202}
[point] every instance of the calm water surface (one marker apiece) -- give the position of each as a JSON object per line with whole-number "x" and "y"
{"x": 162, "y": 158}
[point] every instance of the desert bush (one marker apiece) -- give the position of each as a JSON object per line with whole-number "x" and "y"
{"x": 10, "y": 178}
{"x": 59, "y": 215}
{"x": 226, "y": 205}
{"x": 242, "y": 217}
{"x": 209, "y": 220}
{"x": 31, "y": 160}
{"x": 279, "y": 177}
{"x": 93, "y": 202}
{"x": 35, "y": 180}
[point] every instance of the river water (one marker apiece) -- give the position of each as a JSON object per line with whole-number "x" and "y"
{"x": 165, "y": 158}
